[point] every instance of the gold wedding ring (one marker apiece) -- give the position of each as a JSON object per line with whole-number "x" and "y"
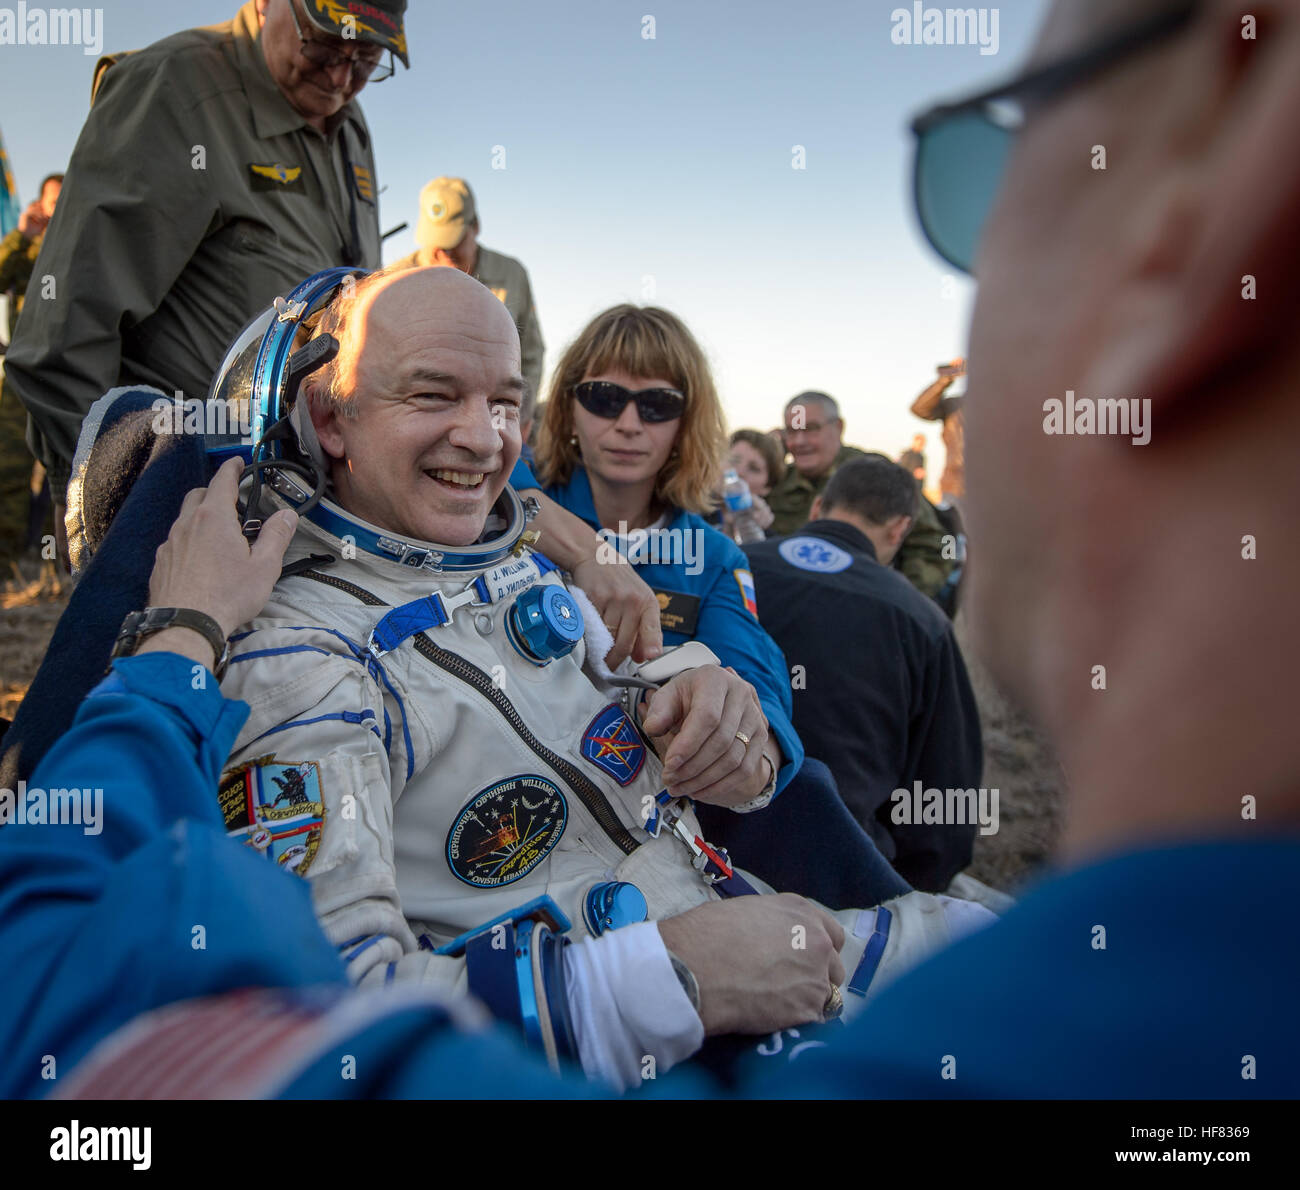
{"x": 834, "y": 1004}
{"x": 743, "y": 738}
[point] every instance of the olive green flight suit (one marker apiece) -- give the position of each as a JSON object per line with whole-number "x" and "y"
{"x": 195, "y": 195}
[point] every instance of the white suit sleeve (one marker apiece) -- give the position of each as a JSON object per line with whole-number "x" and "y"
{"x": 628, "y": 1007}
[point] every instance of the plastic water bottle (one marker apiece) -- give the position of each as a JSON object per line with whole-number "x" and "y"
{"x": 740, "y": 507}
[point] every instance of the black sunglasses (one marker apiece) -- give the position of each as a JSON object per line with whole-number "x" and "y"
{"x": 962, "y": 148}
{"x": 365, "y": 63}
{"x": 604, "y": 398}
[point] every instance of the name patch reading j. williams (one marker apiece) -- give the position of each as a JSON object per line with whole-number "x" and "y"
{"x": 506, "y": 831}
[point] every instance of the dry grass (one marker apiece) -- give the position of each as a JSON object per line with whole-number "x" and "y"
{"x": 32, "y": 599}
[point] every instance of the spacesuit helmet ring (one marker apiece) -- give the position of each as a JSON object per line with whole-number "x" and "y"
{"x": 258, "y": 383}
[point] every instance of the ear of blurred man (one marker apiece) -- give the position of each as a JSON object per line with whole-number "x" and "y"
{"x": 896, "y": 530}
{"x": 1185, "y": 310}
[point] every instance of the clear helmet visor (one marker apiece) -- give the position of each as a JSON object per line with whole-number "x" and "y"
{"x": 233, "y": 384}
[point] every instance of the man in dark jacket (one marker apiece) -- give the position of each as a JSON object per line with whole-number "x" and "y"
{"x": 881, "y": 693}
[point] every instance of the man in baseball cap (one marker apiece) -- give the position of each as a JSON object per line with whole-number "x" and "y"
{"x": 292, "y": 190}
{"x": 447, "y": 234}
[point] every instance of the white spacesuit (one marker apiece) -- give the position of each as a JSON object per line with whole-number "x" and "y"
{"x": 431, "y": 787}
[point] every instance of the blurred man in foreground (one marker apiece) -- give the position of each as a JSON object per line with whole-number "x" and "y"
{"x": 1139, "y": 599}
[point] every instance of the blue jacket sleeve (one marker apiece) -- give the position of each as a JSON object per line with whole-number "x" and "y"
{"x": 137, "y": 898}
{"x": 732, "y": 631}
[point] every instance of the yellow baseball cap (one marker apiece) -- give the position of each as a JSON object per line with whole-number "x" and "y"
{"x": 446, "y": 209}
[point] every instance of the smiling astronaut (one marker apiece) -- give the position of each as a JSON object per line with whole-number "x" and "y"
{"x": 426, "y": 685}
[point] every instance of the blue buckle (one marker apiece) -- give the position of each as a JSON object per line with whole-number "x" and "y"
{"x": 541, "y": 909}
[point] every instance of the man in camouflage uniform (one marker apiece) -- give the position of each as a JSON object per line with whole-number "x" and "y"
{"x": 814, "y": 432}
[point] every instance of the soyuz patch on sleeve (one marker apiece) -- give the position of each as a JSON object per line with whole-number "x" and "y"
{"x": 746, "y": 582}
{"x": 506, "y": 831}
{"x": 275, "y": 808}
{"x": 611, "y": 743}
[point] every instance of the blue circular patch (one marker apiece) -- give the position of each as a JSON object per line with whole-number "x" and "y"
{"x": 812, "y": 553}
{"x": 506, "y": 831}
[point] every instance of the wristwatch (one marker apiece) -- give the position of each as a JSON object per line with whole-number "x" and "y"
{"x": 765, "y": 794}
{"x": 139, "y": 625}
{"x": 686, "y": 977}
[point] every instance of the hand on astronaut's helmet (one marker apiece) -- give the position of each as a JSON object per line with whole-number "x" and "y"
{"x": 208, "y": 564}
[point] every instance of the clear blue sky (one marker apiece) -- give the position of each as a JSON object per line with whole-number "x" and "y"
{"x": 670, "y": 159}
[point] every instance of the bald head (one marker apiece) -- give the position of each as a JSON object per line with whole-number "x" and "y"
{"x": 380, "y": 318}
{"x": 1073, "y": 24}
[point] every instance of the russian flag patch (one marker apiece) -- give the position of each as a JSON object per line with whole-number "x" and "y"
{"x": 745, "y": 581}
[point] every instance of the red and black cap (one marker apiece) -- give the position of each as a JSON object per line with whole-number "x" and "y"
{"x": 379, "y": 21}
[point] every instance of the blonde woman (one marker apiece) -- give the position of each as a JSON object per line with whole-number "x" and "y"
{"x": 632, "y": 444}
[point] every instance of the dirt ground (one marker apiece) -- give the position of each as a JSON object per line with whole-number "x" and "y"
{"x": 1030, "y": 783}
{"x": 32, "y": 599}
{"x": 1017, "y": 762}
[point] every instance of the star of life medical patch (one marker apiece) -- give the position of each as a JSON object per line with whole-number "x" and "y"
{"x": 811, "y": 553}
{"x": 276, "y": 808}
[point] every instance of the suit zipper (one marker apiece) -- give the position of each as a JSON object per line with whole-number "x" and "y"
{"x": 590, "y": 794}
